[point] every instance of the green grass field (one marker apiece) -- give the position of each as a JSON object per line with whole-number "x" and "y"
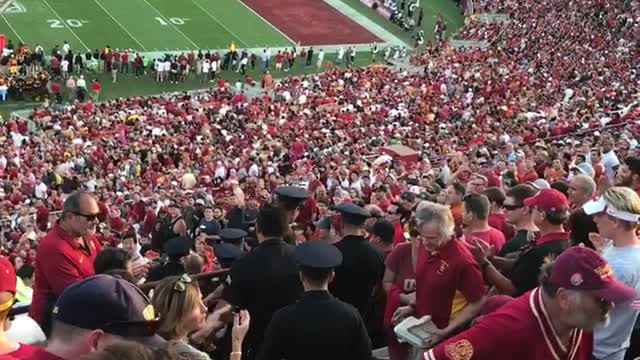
{"x": 143, "y": 25}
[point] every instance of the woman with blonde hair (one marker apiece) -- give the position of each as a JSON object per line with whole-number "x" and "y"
{"x": 179, "y": 300}
{"x": 617, "y": 215}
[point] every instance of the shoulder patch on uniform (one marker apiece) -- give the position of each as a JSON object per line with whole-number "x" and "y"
{"x": 228, "y": 280}
{"x": 459, "y": 350}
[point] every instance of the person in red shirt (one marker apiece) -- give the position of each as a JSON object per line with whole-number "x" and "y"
{"x": 393, "y": 216}
{"x": 449, "y": 284}
{"x": 496, "y": 216}
{"x": 529, "y": 173}
{"x": 399, "y": 282}
{"x": 475, "y": 217}
{"x": 69, "y": 249}
{"x": 553, "y": 321}
{"x": 9, "y": 348}
{"x": 95, "y": 88}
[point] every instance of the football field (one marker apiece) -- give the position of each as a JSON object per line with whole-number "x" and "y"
{"x": 143, "y": 25}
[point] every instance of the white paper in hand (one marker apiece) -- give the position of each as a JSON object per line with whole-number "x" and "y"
{"x": 415, "y": 332}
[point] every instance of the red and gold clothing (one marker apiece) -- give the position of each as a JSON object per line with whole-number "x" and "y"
{"x": 519, "y": 330}
{"x": 446, "y": 281}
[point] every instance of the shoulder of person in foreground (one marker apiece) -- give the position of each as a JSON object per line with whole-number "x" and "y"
{"x": 489, "y": 338}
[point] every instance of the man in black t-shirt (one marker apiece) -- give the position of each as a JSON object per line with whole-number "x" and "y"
{"x": 518, "y": 216}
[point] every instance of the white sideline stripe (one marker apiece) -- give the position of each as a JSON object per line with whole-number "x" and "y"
{"x": 118, "y": 22}
{"x": 66, "y": 25}
{"x": 221, "y": 24}
{"x": 12, "y": 29}
{"x": 265, "y": 20}
{"x": 172, "y": 24}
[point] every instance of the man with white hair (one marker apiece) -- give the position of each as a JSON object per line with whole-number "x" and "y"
{"x": 616, "y": 214}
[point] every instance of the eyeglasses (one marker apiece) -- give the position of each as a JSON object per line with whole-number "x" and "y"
{"x": 181, "y": 284}
{"x": 88, "y": 217}
{"x": 511, "y": 207}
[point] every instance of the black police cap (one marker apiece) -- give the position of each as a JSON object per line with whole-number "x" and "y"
{"x": 178, "y": 246}
{"x": 318, "y": 255}
{"x": 232, "y": 235}
{"x": 226, "y": 252}
{"x": 291, "y": 196}
{"x": 384, "y": 229}
{"x": 352, "y": 213}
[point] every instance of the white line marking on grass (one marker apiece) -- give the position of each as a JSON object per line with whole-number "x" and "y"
{"x": 221, "y": 24}
{"x": 265, "y": 20}
{"x": 12, "y": 29}
{"x": 66, "y": 25}
{"x": 172, "y": 24}
{"x": 118, "y": 22}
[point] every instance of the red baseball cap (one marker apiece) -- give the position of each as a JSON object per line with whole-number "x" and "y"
{"x": 548, "y": 199}
{"x": 583, "y": 269}
{"x": 7, "y": 281}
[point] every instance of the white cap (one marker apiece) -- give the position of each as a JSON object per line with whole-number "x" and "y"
{"x": 600, "y": 205}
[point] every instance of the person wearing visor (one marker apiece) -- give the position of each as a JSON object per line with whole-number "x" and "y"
{"x": 71, "y": 248}
{"x": 616, "y": 214}
{"x": 96, "y": 312}
{"x": 576, "y": 295}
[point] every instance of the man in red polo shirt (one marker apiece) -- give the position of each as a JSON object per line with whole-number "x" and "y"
{"x": 550, "y": 210}
{"x": 66, "y": 254}
{"x": 449, "y": 284}
{"x": 576, "y": 294}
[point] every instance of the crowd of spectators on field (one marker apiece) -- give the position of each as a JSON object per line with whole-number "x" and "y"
{"x": 511, "y": 142}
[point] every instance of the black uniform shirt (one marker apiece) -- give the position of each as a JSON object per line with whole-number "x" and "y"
{"x": 361, "y": 270}
{"x": 262, "y": 282}
{"x": 318, "y": 327}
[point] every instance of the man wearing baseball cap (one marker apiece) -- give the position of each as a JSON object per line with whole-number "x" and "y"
{"x": 7, "y": 298}
{"x": 549, "y": 210}
{"x": 576, "y": 293}
{"x": 95, "y": 312}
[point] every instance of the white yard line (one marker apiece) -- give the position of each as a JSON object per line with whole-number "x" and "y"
{"x": 265, "y": 20}
{"x": 66, "y": 25}
{"x": 172, "y": 24}
{"x": 221, "y": 24}
{"x": 12, "y": 29}
{"x": 118, "y": 22}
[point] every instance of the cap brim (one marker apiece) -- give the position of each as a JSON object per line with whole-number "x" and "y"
{"x": 529, "y": 201}
{"x": 615, "y": 292}
{"x": 594, "y": 206}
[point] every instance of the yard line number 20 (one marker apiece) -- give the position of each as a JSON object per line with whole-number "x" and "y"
{"x": 59, "y": 23}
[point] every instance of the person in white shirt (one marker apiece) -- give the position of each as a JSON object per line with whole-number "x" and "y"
{"x": 320, "y": 59}
{"x": 214, "y": 69}
{"x": 609, "y": 158}
{"x": 158, "y": 67}
{"x": 206, "y": 68}
{"x": 41, "y": 190}
{"x": 64, "y": 67}
{"x": 65, "y": 48}
{"x": 81, "y": 83}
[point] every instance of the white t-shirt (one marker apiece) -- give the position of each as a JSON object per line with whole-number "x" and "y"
{"x": 610, "y": 161}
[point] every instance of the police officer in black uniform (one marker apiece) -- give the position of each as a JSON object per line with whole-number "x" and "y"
{"x": 319, "y": 326}
{"x": 264, "y": 280}
{"x": 175, "y": 249}
{"x": 290, "y": 198}
{"x": 362, "y": 265}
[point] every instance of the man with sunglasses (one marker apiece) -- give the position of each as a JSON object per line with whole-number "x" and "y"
{"x": 519, "y": 217}
{"x": 96, "y": 312}
{"x": 68, "y": 251}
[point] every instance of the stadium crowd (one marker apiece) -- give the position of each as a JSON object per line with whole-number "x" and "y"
{"x": 513, "y": 227}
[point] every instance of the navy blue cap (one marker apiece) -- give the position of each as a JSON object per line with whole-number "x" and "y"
{"x": 111, "y": 304}
{"x": 231, "y": 235}
{"x": 352, "y": 213}
{"x": 226, "y": 252}
{"x": 291, "y": 195}
{"x": 384, "y": 229}
{"x": 324, "y": 223}
{"x": 317, "y": 254}
{"x": 178, "y": 246}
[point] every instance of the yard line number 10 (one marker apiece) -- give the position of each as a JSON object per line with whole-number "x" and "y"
{"x": 173, "y": 20}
